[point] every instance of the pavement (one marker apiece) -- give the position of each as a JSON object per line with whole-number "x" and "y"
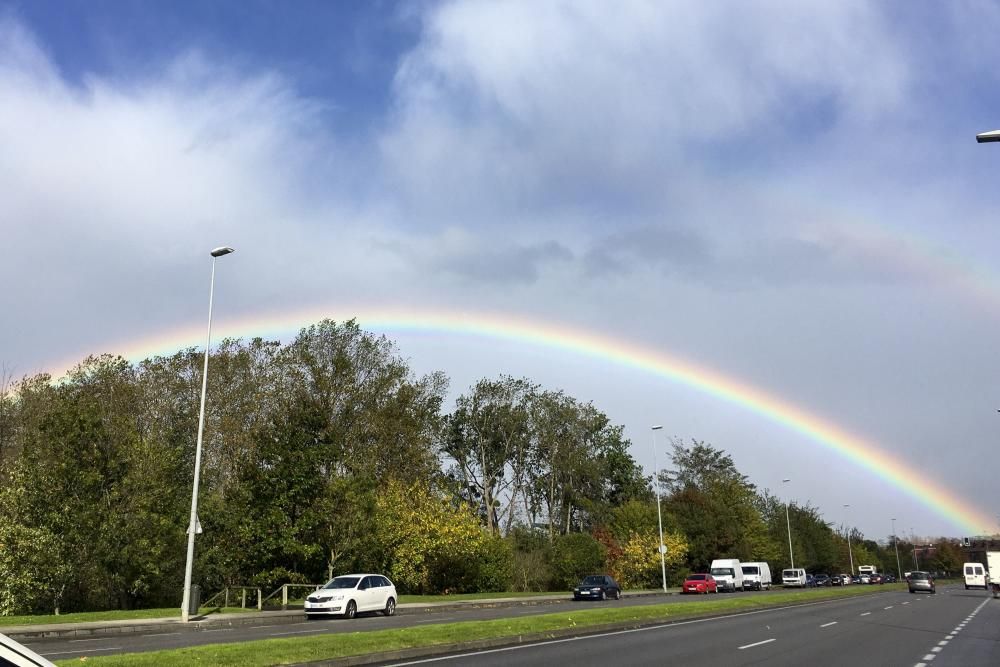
{"x": 91, "y": 629}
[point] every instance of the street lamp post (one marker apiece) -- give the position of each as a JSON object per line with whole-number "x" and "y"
{"x": 899, "y": 569}
{"x": 788, "y": 524}
{"x": 659, "y": 517}
{"x": 193, "y": 523}
{"x": 850, "y": 553}
{"x": 988, "y": 137}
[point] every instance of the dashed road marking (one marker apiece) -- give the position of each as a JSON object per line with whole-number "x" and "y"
{"x": 826, "y": 625}
{"x": 766, "y": 641}
{"x": 867, "y": 613}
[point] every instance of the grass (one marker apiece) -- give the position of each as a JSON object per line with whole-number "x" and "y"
{"x": 304, "y": 649}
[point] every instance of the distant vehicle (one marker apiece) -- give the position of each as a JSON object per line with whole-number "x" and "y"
{"x": 756, "y": 576}
{"x": 597, "y": 587}
{"x": 993, "y": 565}
{"x": 823, "y": 580}
{"x": 855, "y": 579}
{"x": 13, "y": 654}
{"x": 728, "y": 573}
{"x": 975, "y": 576}
{"x": 794, "y": 578}
{"x": 700, "y": 583}
{"x": 350, "y": 594}
{"x": 921, "y": 581}
{"x": 876, "y": 578}
{"x": 865, "y": 578}
{"x": 837, "y": 580}
{"x": 867, "y": 569}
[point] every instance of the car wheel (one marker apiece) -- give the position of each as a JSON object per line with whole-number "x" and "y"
{"x": 618, "y": 594}
{"x": 967, "y": 587}
{"x": 601, "y": 596}
{"x": 351, "y": 611}
{"x": 390, "y": 607}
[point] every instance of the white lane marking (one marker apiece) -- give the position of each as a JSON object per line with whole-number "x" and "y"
{"x": 99, "y": 639}
{"x": 766, "y": 641}
{"x": 219, "y": 630}
{"x": 889, "y": 607}
{"x": 164, "y": 634}
{"x": 936, "y": 649}
{"x": 826, "y": 625}
{"x": 88, "y": 650}
{"x": 294, "y": 632}
{"x": 951, "y": 636}
{"x": 920, "y": 664}
{"x": 867, "y": 613}
{"x": 906, "y": 603}
{"x": 943, "y": 642}
{"x": 929, "y": 656}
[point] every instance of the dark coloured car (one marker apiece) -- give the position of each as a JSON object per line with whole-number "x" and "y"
{"x": 597, "y": 587}
{"x": 921, "y": 581}
{"x": 810, "y": 581}
{"x": 823, "y": 580}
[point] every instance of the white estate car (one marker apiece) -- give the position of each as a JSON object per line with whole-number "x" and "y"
{"x": 349, "y": 594}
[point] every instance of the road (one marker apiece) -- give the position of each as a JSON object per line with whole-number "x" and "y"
{"x": 827, "y": 628}
{"x": 270, "y": 627}
{"x": 953, "y": 628}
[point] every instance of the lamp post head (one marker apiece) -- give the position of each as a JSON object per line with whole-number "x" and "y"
{"x": 223, "y": 250}
{"x": 785, "y": 480}
{"x": 656, "y": 428}
{"x": 987, "y": 137}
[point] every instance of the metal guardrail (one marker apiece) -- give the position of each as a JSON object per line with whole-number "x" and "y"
{"x": 224, "y": 594}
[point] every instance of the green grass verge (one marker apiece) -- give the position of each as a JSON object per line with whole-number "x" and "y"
{"x": 304, "y": 649}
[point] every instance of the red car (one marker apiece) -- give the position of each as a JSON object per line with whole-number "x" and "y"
{"x": 699, "y": 583}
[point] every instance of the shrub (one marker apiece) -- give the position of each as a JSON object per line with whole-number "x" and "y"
{"x": 574, "y": 556}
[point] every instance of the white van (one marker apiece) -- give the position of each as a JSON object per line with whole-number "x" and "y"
{"x": 756, "y": 576}
{"x": 975, "y": 576}
{"x": 728, "y": 574}
{"x": 794, "y": 577}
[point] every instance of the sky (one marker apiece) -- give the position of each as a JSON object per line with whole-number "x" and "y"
{"x": 785, "y": 195}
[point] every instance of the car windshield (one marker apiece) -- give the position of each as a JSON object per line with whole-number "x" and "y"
{"x": 790, "y": 573}
{"x": 593, "y": 581}
{"x": 696, "y": 577}
{"x": 918, "y": 575}
{"x": 722, "y": 571}
{"x": 343, "y": 582}
{"x": 751, "y": 570}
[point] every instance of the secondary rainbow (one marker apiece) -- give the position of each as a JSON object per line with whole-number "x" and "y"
{"x": 862, "y": 452}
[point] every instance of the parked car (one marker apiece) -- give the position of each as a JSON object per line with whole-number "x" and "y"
{"x": 728, "y": 573}
{"x": 876, "y": 579}
{"x": 351, "y": 594}
{"x": 864, "y": 578}
{"x": 823, "y": 580}
{"x": 700, "y": 583}
{"x": 16, "y": 655}
{"x": 756, "y": 576}
{"x": 921, "y": 581}
{"x": 855, "y": 579}
{"x": 794, "y": 577}
{"x": 597, "y": 587}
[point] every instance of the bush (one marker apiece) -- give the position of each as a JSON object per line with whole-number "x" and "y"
{"x": 574, "y": 556}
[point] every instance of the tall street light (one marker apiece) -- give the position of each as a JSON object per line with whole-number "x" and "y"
{"x": 850, "y": 553}
{"x": 659, "y": 517}
{"x": 193, "y": 524}
{"x": 899, "y": 569}
{"x": 988, "y": 137}
{"x": 788, "y": 523}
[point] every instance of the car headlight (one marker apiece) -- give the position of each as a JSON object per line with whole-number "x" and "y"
{"x": 595, "y": 590}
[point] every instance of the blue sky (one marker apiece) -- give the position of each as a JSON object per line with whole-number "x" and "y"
{"x": 789, "y": 193}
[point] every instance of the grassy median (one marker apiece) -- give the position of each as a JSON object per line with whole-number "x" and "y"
{"x": 323, "y": 647}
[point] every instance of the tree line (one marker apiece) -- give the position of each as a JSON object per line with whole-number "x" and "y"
{"x": 326, "y": 455}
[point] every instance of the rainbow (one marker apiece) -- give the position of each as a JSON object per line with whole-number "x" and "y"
{"x": 856, "y": 449}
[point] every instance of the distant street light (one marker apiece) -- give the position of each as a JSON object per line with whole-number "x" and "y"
{"x": 193, "y": 524}
{"x": 988, "y": 137}
{"x": 899, "y": 570}
{"x": 659, "y": 517}
{"x": 850, "y": 553}
{"x": 788, "y": 523}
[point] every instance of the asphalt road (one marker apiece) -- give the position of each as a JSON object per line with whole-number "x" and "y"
{"x": 954, "y": 627}
{"x": 175, "y": 636}
{"x": 695, "y": 641}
